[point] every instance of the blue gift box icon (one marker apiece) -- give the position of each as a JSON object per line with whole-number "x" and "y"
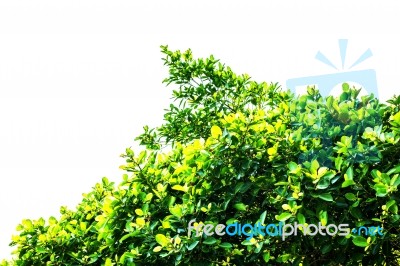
{"x": 325, "y": 83}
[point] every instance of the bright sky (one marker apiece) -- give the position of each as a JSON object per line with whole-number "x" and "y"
{"x": 79, "y": 79}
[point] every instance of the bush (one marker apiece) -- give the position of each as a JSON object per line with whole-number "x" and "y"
{"x": 239, "y": 151}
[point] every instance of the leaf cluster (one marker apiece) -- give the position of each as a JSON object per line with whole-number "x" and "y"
{"x": 240, "y": 151}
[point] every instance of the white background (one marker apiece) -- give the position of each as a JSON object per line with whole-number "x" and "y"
{"x": 79, "y": 79}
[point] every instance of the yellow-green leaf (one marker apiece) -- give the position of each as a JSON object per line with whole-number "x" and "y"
{"x": 162, "y": 240}
{"x": 139, "y": 212}
{"x": 176, "y": 211}
{"x": 216, "y": 131}
{"x": 272, "y": 151}
{"x": 180, "y": 188}
{"x": 283, "y": 216}
{"x": 140, "y": 221}
{"x": 157, "y": 249}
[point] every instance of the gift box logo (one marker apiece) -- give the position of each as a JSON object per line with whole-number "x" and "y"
{"x": 325, "y": 83}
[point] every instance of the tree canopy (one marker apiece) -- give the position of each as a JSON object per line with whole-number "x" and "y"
{"x": 235, "y": 150}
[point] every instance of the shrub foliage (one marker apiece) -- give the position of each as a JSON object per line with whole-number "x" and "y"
{"x": 234, "y": 150}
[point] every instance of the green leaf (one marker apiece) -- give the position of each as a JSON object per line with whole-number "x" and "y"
{"x": 348, "y": 183}
{"x": 283, "y": 258}
{"x": 390, "y": 203}
{"x": 281, "y": 183}
{"x": 323, "y": 217}
{"x": 350, "y": 196}
{"x": 210, "y": 241}
{"x": 193, "y": 245}
{"x": 266, "y": 256}
{"x": 247, "y": 243}
{"x": 283, "y": 216}
{"x": 381, "y": 190}
{"x": 40, "y": 249}
{"x": 262, "y": 217}
{"x": 385, "y": 179}
{"x": 301, "y": 218}
{"x": 395, "y": 181}
{"x": 338, "y": 163}
{"x": 349, "y": 174}
{"x": 314, "y": 166}
{"x": 345, "y": 87}
{"x": 393, "y": 208}
{"x": 240, "y": 206}
{"x": 292, "y": 166}
{"x": 376, "y": 174}
{"x": 394, "y": 170}
{"x": 323, "y": 183}
{"x": 326, "y": 196}
{"x": 355, "y": 212}
{"x": 141, "y": 156}
{"x": 238, "y": 187}
{"x": 225, "y": 245}
{"x": 326, "y": 248}
{"x": 360, "y": 241}
{"x": 396, "y": 118}
{"x": 134, "y": 233}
